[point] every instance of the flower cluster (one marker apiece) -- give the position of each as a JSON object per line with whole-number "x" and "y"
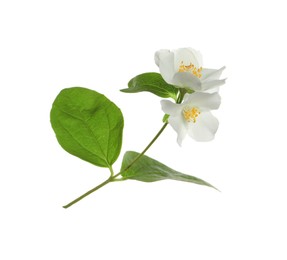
{"x": 191, "y": 115}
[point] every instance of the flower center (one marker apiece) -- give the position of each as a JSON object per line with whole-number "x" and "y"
{"x": 190, "y": 68}
{"x": 190, "y": 114}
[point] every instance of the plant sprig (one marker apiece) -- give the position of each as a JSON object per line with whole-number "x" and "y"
{"x": 90, "y": 126}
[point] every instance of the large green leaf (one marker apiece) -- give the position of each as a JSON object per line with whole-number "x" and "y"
{"x": 147, "y": 169}
{"x": 151, "y": 82}
{"x": 88, "y": 125}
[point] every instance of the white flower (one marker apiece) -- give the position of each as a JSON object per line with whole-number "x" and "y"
{"x": 183, "y": 68}
{"x": 193, "y": 116}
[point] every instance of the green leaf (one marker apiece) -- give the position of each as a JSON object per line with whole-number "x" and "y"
{"x": 88, "y": 125}
{"x": 151, "y": 82}
{"x": 147, "y": 169}
{"x": 165, "y": 118}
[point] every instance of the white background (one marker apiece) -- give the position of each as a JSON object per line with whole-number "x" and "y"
{"x": 50, "y": 45}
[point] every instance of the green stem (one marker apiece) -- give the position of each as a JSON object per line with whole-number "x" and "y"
{"x": 143, "y": 152}
{"x": 111, "y": 171}
{"x": 182, "y": 92}
{"x": 113, "y": 177}
{"x": 88, "y": 193}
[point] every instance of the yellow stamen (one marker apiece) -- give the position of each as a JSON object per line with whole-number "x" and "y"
{"x": 190, "y": 68}
{"x": 190, "y": 114}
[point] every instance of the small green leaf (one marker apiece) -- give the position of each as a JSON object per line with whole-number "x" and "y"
{"x": 147, "y": 169}
{"x": 88, "y": 125}
{"x": 151, "y": 82}
{"x": 165, "y": 118}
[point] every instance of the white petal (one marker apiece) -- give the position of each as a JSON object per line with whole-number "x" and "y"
{"x": 165, "y": 61}
{"x": 204, "y": 128}
{"x": 180, "y": 126}
{"x": 211, "y": 74}
{"x": 186, "y": 80}
{"x": 212, "y": 90}
{"x": 158, "y": 54}
{"x": 170, "y": 108}
{"x": 212, "y": 84}
{"x": 187, "y": 56}
{"x": 204, "y": 101}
